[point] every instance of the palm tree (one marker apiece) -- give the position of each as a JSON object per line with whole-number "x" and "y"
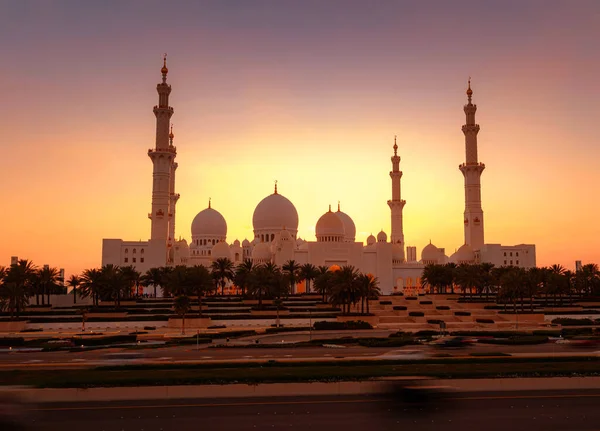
{"x": 222, "y": 271}
{"x": 74, "y": 283}
{"x": 92, "y": 284}
{"x": 467, "y": 277}
{"x": 132, "y": 280}
{"x": 114, "y": 283}
{"x": 344, "y": 289}
{"x": 512, "y": 285}
{"x": 242, "y": 274}
{"x": 532, "y": 283}
{"x": 17, "y": 283}
{"x": 449, "y": 276}
{"x": 13, "y": 297}
{"x": 200, "y": 282}
{"x": 322, "y": 281}
{"x": 177, "y": 282}
{"x": 291, "y": 269}
{"x": 153, "y": 277}
{"x": 182, "y": 306}
{"x": 263, "y": 280}
{"x": 369, "y": 289}
{"x": 49, "y": 281}
{"x": 308, "y": 272}
{"x": 590, "y": 279}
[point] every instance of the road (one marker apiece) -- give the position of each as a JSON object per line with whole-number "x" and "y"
{"x": 93, "y": 358}
{"x": 549, "y": 410}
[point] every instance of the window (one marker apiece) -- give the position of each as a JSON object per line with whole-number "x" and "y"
{"x": 517, "y": 254}
{"x": 134, "y": 251}
{"x": 126, "y": 251}
{"x": 126, "y": 259}
{"x": 511, "y": 262}
{"x": 133, "y": 260}
{"x": 505, "y": 261}
{"x": 511, "y": 254}
{"x": 141, "y": 260}
{"x": 504, "y": 254}
{"x": 142, "y": 251}
{"x": 517, "y": 262}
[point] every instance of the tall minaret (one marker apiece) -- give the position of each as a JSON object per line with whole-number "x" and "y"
{"x": 472, "y": 170}
{"x": 173, "y": 197}
{"x": 163, "y": 158}
{"x": 396, "y": 204}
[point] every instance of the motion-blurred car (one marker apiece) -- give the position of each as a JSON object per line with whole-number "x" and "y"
{"x": 585, "y": 343}
{"x": 400, "y": 354}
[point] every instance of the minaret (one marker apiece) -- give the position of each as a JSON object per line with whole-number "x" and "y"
{"x": 472, "y": 170}
{"x": 163, "y": 157}
{"x": 173, "y": 197}
{"x": 396, "y": 204}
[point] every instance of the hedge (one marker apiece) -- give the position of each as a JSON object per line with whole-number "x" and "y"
{"x": 284, "y": 329}
{"x": 462, "y": 313}
{"x": 352, "y": 324}
{"x": 12, "y": 341}
{"x": 385, "y": 302}
{"x": 565, "y": 321}
{"x": 386, "y": 342}
{"x": 484, "y": 320}
{"x": 416, "y": 314}
{"x": 425, "y": 302}
{"x": 442, "y": 307}
{"x": 411, "y": 298}
{"x": 516, "y": 341}
{"x": 100, "y": 341}
{"x": 497, "y": 334}
{"x": 400, "y": 307}
{"x": 426, "y": 333}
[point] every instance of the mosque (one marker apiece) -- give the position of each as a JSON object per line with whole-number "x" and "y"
{"x": 275, "y": 223}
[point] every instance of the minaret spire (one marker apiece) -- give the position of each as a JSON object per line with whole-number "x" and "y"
{"x": 275, "y": 192}
{"x": 396, "y": 204}
{"x": 472, "y": 170}
{"x": 163, "y": 156}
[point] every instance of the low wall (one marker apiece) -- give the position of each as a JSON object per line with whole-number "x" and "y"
{"x": 13, "y": 326}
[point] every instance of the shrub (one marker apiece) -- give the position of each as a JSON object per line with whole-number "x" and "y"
{"x": 12, "y": 341}
{"x": 416, "y": 314}
{"x": 149, "y": 328}
{"x": 426, "y": 333}
{"x": 411, "y": 298}
{"x": 400, "y": 307}
{"x": 435, "y": 321}
{"x": 484, "y": 320}
{"x": 397, "y": 294}
{"x": 399, "y": 334}
{"x": 569, "y": 332}
{"x": 565, "y": 321}
{"x": 497, "y": 334}
{"x": 425, "y": 302}
{"x": 442, "y": 307}
{"x": 352, "y": 324}
{"x": 386, "y": 342}
{"x": 462, "y": 313}
{"x": 547, "y": 332}
{"x": 33, "y": 330}
{"x": 101, "y": 341}
{"x": 493, "y": 307}
{"x": 385, "y": 302}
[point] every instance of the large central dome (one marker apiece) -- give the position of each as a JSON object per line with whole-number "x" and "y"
{"x": 273, "y": 214}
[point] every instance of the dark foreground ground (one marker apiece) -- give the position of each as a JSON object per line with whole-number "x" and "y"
{"x": 549, "y": 410}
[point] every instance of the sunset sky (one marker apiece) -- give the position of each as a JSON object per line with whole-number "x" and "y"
{"x": 308, "y": 93}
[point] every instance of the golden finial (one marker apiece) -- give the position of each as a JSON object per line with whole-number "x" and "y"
{"x": 171, "y": 135}
{"x": 338, "y": 206}
{"x": 395, "y": 146}
{"x": 209, "y": 199}
{"x": 469, "y": 91}
{"x": 329, "y": 207}
{"x": 275, "y": 187}
{"x": 164, "y": 69}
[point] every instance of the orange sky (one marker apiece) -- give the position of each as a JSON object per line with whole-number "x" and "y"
{"x": 310, "y": 97}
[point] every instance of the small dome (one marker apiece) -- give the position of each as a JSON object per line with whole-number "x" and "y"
{"x": 275, "y": 212}
{"x": 371, "y": 240}
{"x": 285, "y": 235}
{"x": 236, "y": 243}
{"x": 464, "y": 254}
{"x": 299, "y": 241}
{"x": 349, "y": 227}
{"x": 209, "y": 222}
{"x": 430, "y": 252}
{"x": 329, "y": 225}
{"x": 220, "y": 250}
{"x": 397, "y": 255}
{"x": 245, "y": 243}
{"x": 381, "y": 236}
{"x": 303, "y": 246}
{"x": 262, "y": 252}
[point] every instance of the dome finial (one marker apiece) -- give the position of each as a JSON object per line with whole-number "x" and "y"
{"x": 469, "y": 91}
{"x": 395, "y": 146}
{"x": 338, "y": 206}
{"x": 329, "y": 207}
{"x": 171, "y": 135}
{"x": 164, "y": 69}
{"x": 275, "y": 187}
{"x": 209, "y": 199}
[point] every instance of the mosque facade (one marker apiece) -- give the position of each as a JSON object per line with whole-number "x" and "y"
{"x": 275, "y": 224}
